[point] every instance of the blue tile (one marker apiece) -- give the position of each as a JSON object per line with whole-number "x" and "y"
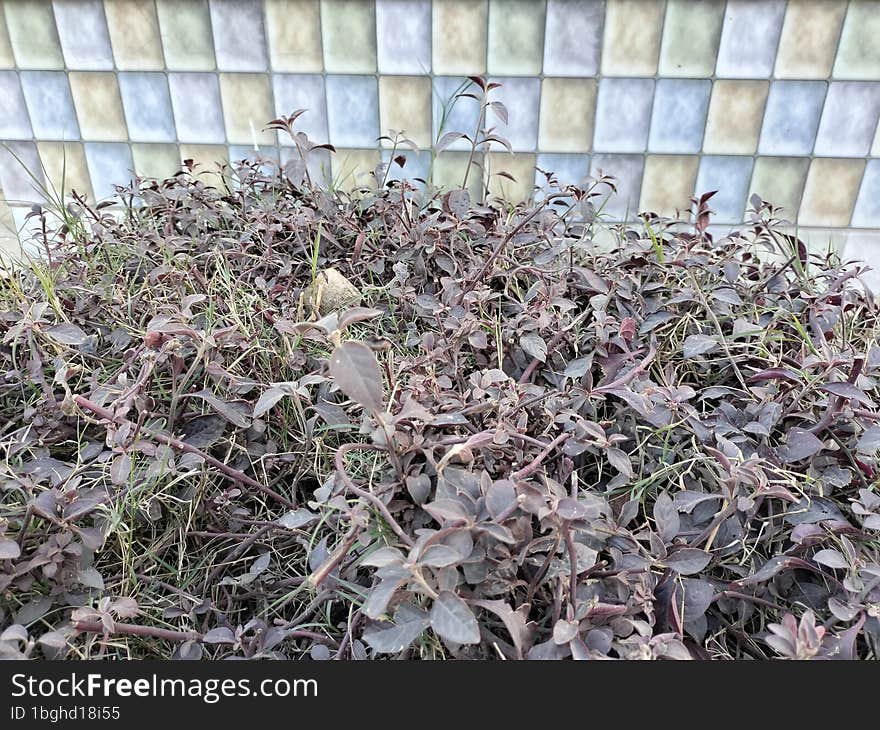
{"x": 623, "y": 115}
{"x": 239, "y": 38}
{"x": 522, "y": 97}
{"x": 791, "y": 117}
{"x": 353, "y": 111}
{"x": 749, "y": 38}
{"x": 82, "y": 30}
{"x": 14, "y": 122}
{"x": 109, "y": 165}
{"x": 318, "y": 164}
{"x": 849, "y": 119}
{"x": 195, "y": 98}
{"x": 403, "y": 35}
{"x": 730, "y": 176}
{"x": 462, "y": 114}
{"x": 568, "y": 169}
{"x": 147, "y": 105}
{"x": 50, "y": 104}
{"x": 18, "y": 162}
{"x": 679, "y": 116}
{"x": 627, "y": 171}
{"x": 867, "y": 211}
{"x": 418, "y": 165}
{"x": 573, "y": 37}
{"x": 294, "y": 92}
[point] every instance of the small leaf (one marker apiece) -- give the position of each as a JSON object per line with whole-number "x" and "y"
{"x": 67, "y": 334}
{"x": 453, "y": 619}
{"x": 698, "y": 345}
{"x": 440, "y": 556}
{"x": 869, "y": 443}
{"x": 578, "y": 368}
{"x": 687, "y": 561}
{"x": 354, "y": 368}
{"x": 9, "y": 549}
{"x": 564, "y": 631}
{"x": 831, "y": 559}
{"x": 295, "y": 519}
{"x": 799, "y": 444}
{"x": 535, "y": 346}
{"x": 396, "y": 637}
{"x": 221, "y": 635}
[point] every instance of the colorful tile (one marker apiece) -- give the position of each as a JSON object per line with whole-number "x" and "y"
{"x": 826, "y": 203}
{"x": 623, "y": 115}
{"x": 82, "y": 30}
{"x": 627, "y": 171}
{"x": 405, "y": 105}
{"x": 294, "y": 33}
{"x": 454, "y": 113}
{"x": 239, "y": 38}
{"x": 318, "y": 164}
{"x": 521, "y": 96}
{"x": 520, "y": 167}
{"x": 348, "y": 30}
{"x": 160, "y": 161}
{"x": 668, "y": 184}
{"x": 247, "y": 108}
{"x": 449, "y": 171}
{"x": 858, "y": 55}
{"x": 691, "y": 32}
{"x": 352, "y": 111}
{"x": 780, "y": 181}
{"x": 568, "y": 169}
{"x": 867, "y": 210}
{"x": 792, "y": 117}
{"x": 134, "y": 33}
{"x": 809, "y": 39}
{"x": 749, "y": 38}
{"x": 459, "y": 32}
{"x": 353, "y": 169}
{"x": 294, "y": 92}
{"x": 32, "y": 34}
{"x": 98, "y": 105}
{"x": 861, "y": 246}
{"x": 417, "y": 165}
{"x": 403, "y": 33}
{"x": 210, "y": 160}
{"x": 64, "y": 164}
{"x": 573, "y": 37}
{"x": 516, "y": 37}
{"x": 110, "y": 164}
{"x": 678, "y": 118}
{"x": 568, "y": 107}
{"x": 849, "y": 119}
{"x": 21, "y": 174}
{"x": 187, "y": 40}
{"x": 14, "y": 120}
{"x": 195, "y": 98}
{"x": 631, "y": 43}
{"x": 7, "y": 58}
{"x": 735, "y": 113}
{"x": 147, "y": 106}
{"x": 730, "y": 176}
{"x": 50, "y": 104}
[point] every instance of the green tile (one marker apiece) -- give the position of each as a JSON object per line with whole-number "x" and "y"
{"x": 691, "y": 33}
{"x": 32, "y": 34}
{"x": 185, "y": 28}
{"x": 516, "y": 37}
{"x": 134, "y": 32}
{"x": 348, "y": 29}
{"x": 294, "y": 31}
{"x": 448, "y": 172}
{"x": 780, "y": 180}
{"x": 631, "y": 37}
{"x": 459, "y": 37}
{"x": 155, "y": 160}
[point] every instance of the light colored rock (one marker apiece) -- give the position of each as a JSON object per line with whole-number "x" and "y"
{"x": 330, "y": 292}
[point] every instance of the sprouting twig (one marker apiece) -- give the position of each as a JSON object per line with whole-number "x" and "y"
{"x": 535, "y": 463}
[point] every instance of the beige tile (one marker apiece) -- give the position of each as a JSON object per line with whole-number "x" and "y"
{"x": 65, "y": 167}
{"x": 631, "y": 40}
{"x": 668, "y": 184}
{"x": 691, "y": 32}
{"x": 7, "y": 58}
{"x": 736, "y": 110}
{"x": 809, "y": 39}
{"x": 98, "y": 106}
{"x": 780, "y": 180}
{"x": 830, "y": 192}
{"x": 568, "y": 107}
{"x": 10, "y": 247}
{"x": 32, "y": 34}
{"x": 521, "y": 166}
{"x": 516, "y": 36}
{"x": 354, "y": 169}
{"x": 348, "y": 29}
{"x": 405, "y": 106}
{"x": 858, "y": 56}
{"x": 449, "y": 168}
{"x": 134, "y": 34}
{"x": 185, "y": 27}
{"x": 459, "y": 30}
{"x": 210, "y": 158}
{"x": 156, "y": 160}
{"x": 294, "y": 31}
{"x": 247, "y": 108}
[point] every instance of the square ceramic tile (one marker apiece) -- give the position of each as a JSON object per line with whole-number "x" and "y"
{"x": 147, "y": 106}
{"x": 82, "y": 30}
{"x": 187, "y": 40}
{"x": 7, "y": 58}
{"x": 14, "y": 120}
{"x": 195, "y": 98}
{"x": 354, "y": 168}
{"x": 867, "y": 210}
{"x": 730, "y": 176}
{"x": 98, "y": 105}
{"x": 318, "y": 164}
{"x": 568, "y": 107}
{"x": 405, "y": 105}
{"x": 134, "y": 34}
{"x": 209, "y": 161}
{"x": 454, "y": 113}
{"x": 570, "y": 169}
{"x": 520, "y": 167}
{"x": 110, "y": 164}
{"x": 736, "y": 110}
{"x": 64, "y": 165}
{"x": 691, "y": 32}
{"x": 294, "y": 32}
{"x": 247, "y": 108}
{"x": 858, "y": 55}
{"x": 516, "y": 37}
{"x": 627, "y": 171}
{"x": 32, "y": 34}
{"x": 826, "y": 204}
{"x": 623, "y": 115}
{"x": 239, "y": 38}
{"x": 19, "y": 165}
{"x": 573, "y": 37}
{"x": 678, "y": 119}
{"x": 403, "y": 34}
{"x": 348, "y": 33}
{"x": 631, "y": 43}
{"x": 792, "y": 117}
{"x": 449, "y": 168}
{"x": 353, "y": 111}
{"x": 50, "y": 104}
{"x": 416, "y": 166}
{"x": 780, "y": 181}
{"x": 160, "y": 161}
{"x": 849, "y": 119}
{"x": 863, "y": 246}
{"x": 294, "y": 92}
{"x": 521, "y": 96}
{"x": 809, "y": 39}
{"x": 459, "y": 32}
{"x": 668, "y": 185}
{"x": 749, "y": 38}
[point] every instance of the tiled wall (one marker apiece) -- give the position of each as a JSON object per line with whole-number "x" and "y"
{"x": 671, "y": 96}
